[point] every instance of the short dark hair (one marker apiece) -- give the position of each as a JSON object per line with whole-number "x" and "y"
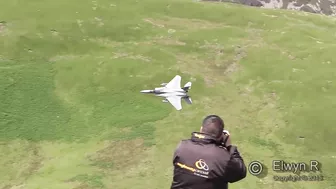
{"x": 213, "y": 125}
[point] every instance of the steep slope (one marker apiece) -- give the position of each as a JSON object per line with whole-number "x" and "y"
{"x": 71, "y": 115}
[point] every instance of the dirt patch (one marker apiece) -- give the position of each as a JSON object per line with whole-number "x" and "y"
{"x": 119, "y": 155}
{"x": 167, "y": 41}
{"x": 87, "y": 181}
{"x": 131, "y": 56}
{"x": 106, "y": 42}
{"x": 54, "y": 32}
{"x": 234, "y": 66}
{"x": 154, "y": 22}
{"x": 62, "y": 57}
{"x": 283, "y": 51}
{"x": 163, "y": 40}
{"x": 22, "y": 186}
{"x": 36, "y": 162}
{"x": 212, "y": 46}
{"x": 2, "y": 26}
{"x": 22, "y": 159}
{"x": 114, "y": 56}
{"x": 189, "y": 24}
{"x": 99, "y": 22}
{"x": 254, "y": 39}
{"x": 83, "y": 186}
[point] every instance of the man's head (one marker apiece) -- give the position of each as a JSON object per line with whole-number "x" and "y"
{"x": 213, "y": 125}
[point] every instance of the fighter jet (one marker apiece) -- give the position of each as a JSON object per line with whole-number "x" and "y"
{"x": 172, "y": 92}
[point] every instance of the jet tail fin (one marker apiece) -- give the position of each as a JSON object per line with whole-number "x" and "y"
{"x": 187, "y": 86}
{"x": 188, "y": 100}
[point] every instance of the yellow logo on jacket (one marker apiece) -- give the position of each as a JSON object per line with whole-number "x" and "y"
{"x": 199, "y": 135}
{"x": 201, "y": 171}
{"x": 200, "y": 164}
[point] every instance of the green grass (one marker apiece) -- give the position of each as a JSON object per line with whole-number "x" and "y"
{"x": 71, "y": 115}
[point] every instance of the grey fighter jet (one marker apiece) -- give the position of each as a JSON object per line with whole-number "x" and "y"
{"x": 172, "y": 92}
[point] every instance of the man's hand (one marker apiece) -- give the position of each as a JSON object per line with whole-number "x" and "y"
{"x": 226, "y": 138}
{"x": 226, "y": 132}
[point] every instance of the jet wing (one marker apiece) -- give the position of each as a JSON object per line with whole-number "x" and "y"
{"x": 175, "y": 101}
{"x": 175, "y": 83}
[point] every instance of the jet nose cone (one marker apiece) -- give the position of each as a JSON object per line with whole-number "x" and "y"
{"x": 146, "y": 91}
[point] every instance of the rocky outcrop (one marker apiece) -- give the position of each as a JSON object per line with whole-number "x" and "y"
{"x": 327, "y": 7}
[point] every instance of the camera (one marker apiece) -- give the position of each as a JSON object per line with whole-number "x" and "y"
{"x": 225, "y": 138}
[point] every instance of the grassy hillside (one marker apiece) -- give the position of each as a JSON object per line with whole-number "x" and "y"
{"x": 71, "y": 115}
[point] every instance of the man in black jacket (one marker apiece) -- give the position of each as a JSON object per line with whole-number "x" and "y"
{"x": 207, "y": 160}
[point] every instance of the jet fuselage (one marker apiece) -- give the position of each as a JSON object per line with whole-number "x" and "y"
{"x": 165, "y": 92}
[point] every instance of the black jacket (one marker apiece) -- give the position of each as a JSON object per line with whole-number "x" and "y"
{"x": 200, "y": 163}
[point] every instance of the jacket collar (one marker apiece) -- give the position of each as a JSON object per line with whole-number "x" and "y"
{"x": 203, "y": 138}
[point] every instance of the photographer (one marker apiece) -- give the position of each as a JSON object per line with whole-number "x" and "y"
{"x": 207, "y": 160}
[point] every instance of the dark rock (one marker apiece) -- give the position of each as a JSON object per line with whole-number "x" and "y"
{"x": 325, "y": 7}
{"x": 299, "y": 3}
{"x": 319, "y": 6}
{"x": 254, "y": 3}
{"x": 285, "y": 4}
{"x": 306, "y": 8}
